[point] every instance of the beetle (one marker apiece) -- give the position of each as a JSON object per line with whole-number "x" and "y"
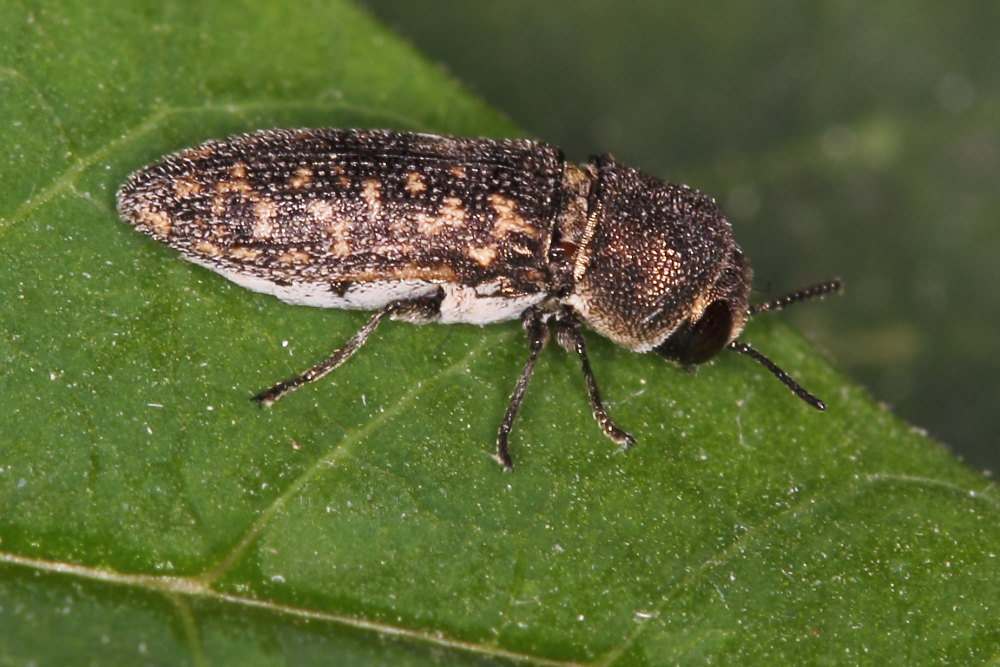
{"x": 427, "y": 228}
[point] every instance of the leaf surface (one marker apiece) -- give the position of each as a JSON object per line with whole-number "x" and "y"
{"x": 150, "y": 512}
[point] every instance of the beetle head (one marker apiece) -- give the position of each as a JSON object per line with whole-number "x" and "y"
{"x": 659, "y": 270}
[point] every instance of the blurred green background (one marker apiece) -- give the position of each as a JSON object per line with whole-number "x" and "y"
{"x": 842, "y": 138}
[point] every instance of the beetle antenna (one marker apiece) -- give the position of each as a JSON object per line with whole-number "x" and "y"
{"x": 785, "y": 378}
{"x": 811, "y": 292}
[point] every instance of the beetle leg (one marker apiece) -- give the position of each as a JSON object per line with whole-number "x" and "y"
{"x": 571, "y": 339}
{"x": 538, "y": 336}
{"x": 412, "y": 309}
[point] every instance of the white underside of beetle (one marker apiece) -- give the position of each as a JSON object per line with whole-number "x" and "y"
{"x": 469, "y": 305}
{"x": 461, "y": 304}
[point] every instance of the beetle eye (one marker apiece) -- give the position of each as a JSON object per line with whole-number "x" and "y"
{"x": 697, "y": 343}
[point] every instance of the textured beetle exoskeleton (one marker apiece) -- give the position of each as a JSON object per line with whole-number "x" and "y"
{"x": 428, "y": 228}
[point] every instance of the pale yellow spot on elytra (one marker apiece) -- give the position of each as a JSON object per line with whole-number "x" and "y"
{"x": 484, "y": 255}
{"x": 233, "y": 186}
{"x": 238, "y": 171}
{"x": 208, "y": 248}
{"x": 338, "y": 228}
{"x": 184, "y": 187}
{"x": 157, "y": 221}
{"x": 294, "y": 256}
{"x": 301, "y": 178}
{"x": 429, "y": 225}
{"x": 244, "y": 252}
{"x": 340, "y": 248}
{"x": 372, "y": 197}
{"x": 400, "y": 225}
{"x": 265, "y": 211}
{"x": 452, "y": 212}
{"x": 263, "y": 228}
{"x": 415, "y": 183}
{"x": 457, "y": 171}
{"x": 319, "y": 210}
{"x": 218, "y": 205}
{"x": 507, "y": 219}
{"x": 265, "y": 208}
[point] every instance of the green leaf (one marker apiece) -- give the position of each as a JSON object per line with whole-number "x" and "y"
{"x": 149, "y": 512}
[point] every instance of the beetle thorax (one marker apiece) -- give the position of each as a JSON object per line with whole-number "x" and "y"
{"x": 655, "y": 261}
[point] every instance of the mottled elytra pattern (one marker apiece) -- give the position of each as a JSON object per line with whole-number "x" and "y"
{"x": 356, "y": 206}
{"x": 427, "y": 228}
